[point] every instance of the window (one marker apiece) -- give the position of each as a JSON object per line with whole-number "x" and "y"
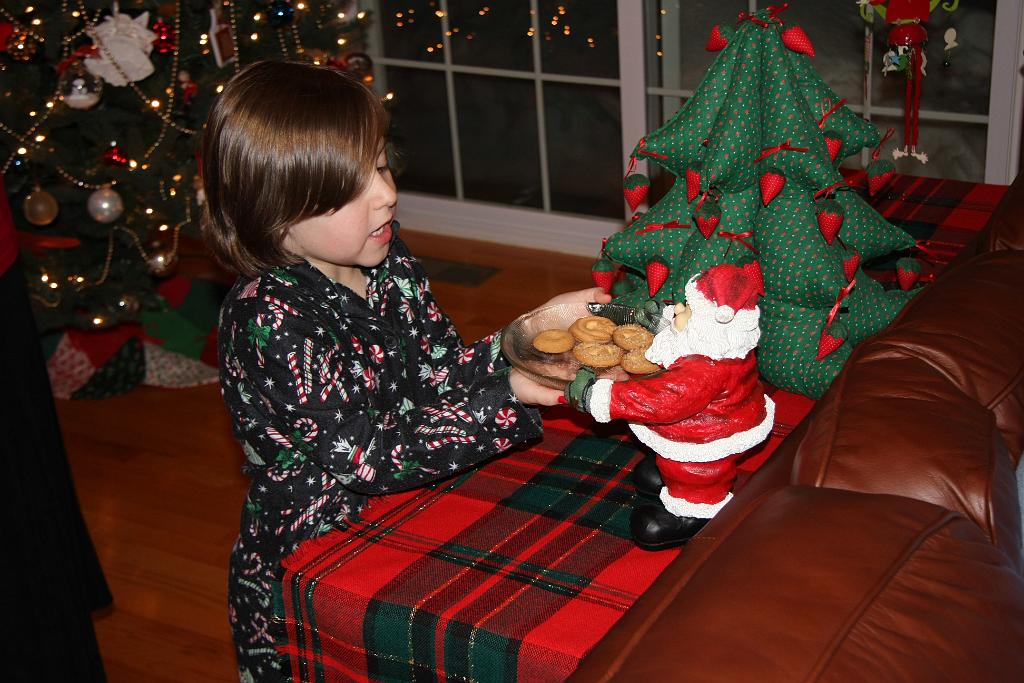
{"x": 515, "y": 117}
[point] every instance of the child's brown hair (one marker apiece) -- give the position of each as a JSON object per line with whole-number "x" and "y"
{"x": 284, "y": 142}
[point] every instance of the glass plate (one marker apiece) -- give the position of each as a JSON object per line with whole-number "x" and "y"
{"x": 558, "y": 369}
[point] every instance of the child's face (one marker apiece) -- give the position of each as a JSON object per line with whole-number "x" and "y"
{"x": 357, "y": 234}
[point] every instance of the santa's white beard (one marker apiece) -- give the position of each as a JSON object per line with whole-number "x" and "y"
{"x": 704, "y": 336}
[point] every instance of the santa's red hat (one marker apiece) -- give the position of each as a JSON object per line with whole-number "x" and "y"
{"x": 727, "y": 289}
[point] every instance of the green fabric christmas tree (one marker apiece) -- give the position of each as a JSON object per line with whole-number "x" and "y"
{"x": 755, "y": 153}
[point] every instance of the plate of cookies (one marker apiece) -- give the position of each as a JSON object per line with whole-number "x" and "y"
{"x": 551, "y": 344}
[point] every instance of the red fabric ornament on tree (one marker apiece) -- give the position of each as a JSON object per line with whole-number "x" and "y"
{"x": 635, "y": 188}
{"x": 753, "y": 271}
{"x": 115, "y": 157}
{"x": 832, "y": 337}
{"x": 657, "y": 273}
{"x": 908, "y": 271}
{"x": 834, "y": 142}
{"x": 850, "y": 265}
{"x": 796, "y": 40}
{"x": 719, "y": 38}
{"x": 830, "y": 216}
{"x": 165, "y": 40}
{"x": 603, "y": 274}
{"x": 707, "y": 218}
{"x": 692, "y": 182}
{"x": 880, "y": 172}
{"x": 772, "y": 182}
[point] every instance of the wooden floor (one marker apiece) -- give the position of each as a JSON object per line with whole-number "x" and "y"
{"x": 157, "y": 474}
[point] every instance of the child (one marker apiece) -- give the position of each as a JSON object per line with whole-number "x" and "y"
{"x": 343, "y": 377}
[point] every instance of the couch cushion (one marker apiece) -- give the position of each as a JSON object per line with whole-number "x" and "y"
{"x": 826, "y": 585}
{"x": 893, "y": 424}
{"x": 969, "y": 325}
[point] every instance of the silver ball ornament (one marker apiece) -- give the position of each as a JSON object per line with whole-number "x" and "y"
{"x": 40, "y": 207}
{"x": 105, "y": 205}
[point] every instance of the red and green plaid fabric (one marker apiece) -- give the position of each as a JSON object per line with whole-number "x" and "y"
{"x": 516, "y": 571}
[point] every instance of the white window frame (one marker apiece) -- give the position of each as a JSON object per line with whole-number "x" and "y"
{"x": 577, "y": 234}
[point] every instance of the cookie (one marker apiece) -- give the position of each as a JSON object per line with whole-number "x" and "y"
{"x": 597, "y": 354}
{"x": 635, "y": 363}
{"x": 553, "y": 341}
{"x": 592, "y": 328}
{"x": 631, "y": 337}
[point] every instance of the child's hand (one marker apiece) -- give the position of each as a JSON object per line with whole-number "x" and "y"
{"x": 594, "y": 295}
{"x": 528, "y": 391}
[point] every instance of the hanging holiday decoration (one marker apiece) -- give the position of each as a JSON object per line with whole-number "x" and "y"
{"x": 719, "y": 38}
{"x": 830, "y": 216}
{"x": 707, "y": 217}
{"x": 906, "y": 55}
{"x": 771, "y": 183}
{"x": 166, "y": 38}
{"x": 832, "y": 337}
{"x": 850, "y": 265}
{"x": 657, "y": 273}
{"x": 280, "y": 13}
{"x": 635, "y": 188}
{"x": 692, "y": 183}
{"x": 796, "y": 40}
{"x": 222, "y": 38}
{"x": 189, "y": 88}
{"x": 880, "y": 171}
{"x": 908, "y": 270}
{"x": 360, "y": 65}
{"x": 950, "y": 37}
{"x": 124, "y": 45}
{"x": 78, "y": 88}
{"x": 603, "y": 274}
{"x": 114, "y": 156}
{"x": 105, "y": 205}
{"x": 40, "y": 207}
{"x": 22, "y": 45}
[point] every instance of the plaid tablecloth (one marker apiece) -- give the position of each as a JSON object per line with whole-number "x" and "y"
{"x": 517, "y": 570}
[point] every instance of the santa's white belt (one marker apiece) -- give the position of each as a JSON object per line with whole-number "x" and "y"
{"x": 682, "y": 451}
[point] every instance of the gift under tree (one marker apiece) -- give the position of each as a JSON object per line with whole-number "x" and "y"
{"x": 698, "y": 416}
{"x": 755, "y": 153}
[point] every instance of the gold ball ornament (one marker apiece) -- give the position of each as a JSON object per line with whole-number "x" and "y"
{"x": 40, "y": 207}
{"x": 21, "y": 46}
{"x": 105, "y": 205}
{"x": 161, "y": 259}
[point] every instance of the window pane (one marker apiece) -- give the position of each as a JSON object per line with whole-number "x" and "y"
{"x": 420, "y": 131}
{"x": 498, "y": 139}
{"x": 838, "y": 39}
{"x": 410, "y": 29}
{"x": 583, "y": 126}
{"x": 679, "y": 29}
{"x": 955, "y": 150}
{"x": 579, "y": 37}
{"x": 494, "y": 35}
{"x": 964, "y": 85}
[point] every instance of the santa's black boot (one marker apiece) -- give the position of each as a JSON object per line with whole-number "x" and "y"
{"x": 646, "y": 477}
{"x": 655, "y": 528}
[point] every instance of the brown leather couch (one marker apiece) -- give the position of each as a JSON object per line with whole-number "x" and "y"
{"x": 882, "y": 540}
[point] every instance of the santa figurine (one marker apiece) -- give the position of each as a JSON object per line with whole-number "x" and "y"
{"x": 700, "y": 414}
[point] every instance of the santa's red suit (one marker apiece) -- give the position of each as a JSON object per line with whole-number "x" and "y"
{"x": 708, "y": 406}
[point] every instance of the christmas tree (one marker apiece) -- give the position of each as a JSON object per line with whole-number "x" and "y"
{"x": 755, "y": 153}
{"x": 102, "y": 108}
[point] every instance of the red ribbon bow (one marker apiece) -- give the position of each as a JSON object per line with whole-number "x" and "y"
{"x": 738, "y": 237}
{"x": 652, "y": 227}
{"x": 833, "y": 110}
{"x": 784, "y": 147}
{"x": 843, "y": 293}
{"x": 773, "y": 15}
{"x": 827, "y": 190}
